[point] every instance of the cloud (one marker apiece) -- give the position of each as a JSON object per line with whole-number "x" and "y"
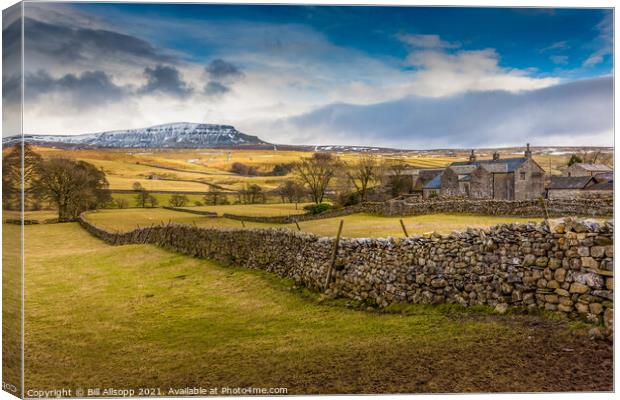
{"x": 575, "y": 113}
{"x": 89, "y": 89}
{"x": 215, "y": 88}
{"x": 444, "y": 74}
{"x": 219, "y": 69}
{"x": 426, "y": 41}
{"x": 603, "y": 42}
{"x": 222, "y": 75}
{"x": 559, "y": 59}
{"x": 165, "y": 79}
{"x": 561, "y": 45}
{"x": 64, "y": 45}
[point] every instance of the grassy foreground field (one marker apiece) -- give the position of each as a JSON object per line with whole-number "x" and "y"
{"x": 139, "y": 316}
{"x": 357, "y": 225}
{"x": 257, "y": 210}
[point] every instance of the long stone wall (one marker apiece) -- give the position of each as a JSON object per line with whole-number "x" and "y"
{"x": 525, "y": 208}
{"x": 567, "y": 268}
{"x": 190, "y": 211}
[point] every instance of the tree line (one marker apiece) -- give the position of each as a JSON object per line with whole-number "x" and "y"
{"x": 71, "y": 186}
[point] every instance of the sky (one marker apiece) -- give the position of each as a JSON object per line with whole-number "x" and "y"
{"x": 402, "y": 77}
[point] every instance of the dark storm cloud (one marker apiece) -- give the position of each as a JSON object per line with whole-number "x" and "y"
{"x": 222, "y": 74}
{"x": 11, "y": 90}
{"x": 219, "y": 69}
{"x": 67, "y": 44}
{"x": 215, "y": 88}
{"x": 571, "y": 110}
{"x": 88, "y": 89}
{"x": 165, "y": 79}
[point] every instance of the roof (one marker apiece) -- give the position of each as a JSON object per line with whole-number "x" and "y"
{"x": 601, "y": 186}
{"x": 434, "y": 183}
{"x": 594, "y": 167}
{"x": 510, "y": 163}
{"x": 604, "y": 177}
{"x": 463, "y": 169}
{"x": 569, "y": 182}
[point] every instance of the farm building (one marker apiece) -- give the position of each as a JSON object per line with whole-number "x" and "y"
{"x": 582, "y": 169}
{"x": 415, "y": 179}
{"x": 575, "y": 187}
{"x": 432, "y": 188}
{"x": 503, "y": 179}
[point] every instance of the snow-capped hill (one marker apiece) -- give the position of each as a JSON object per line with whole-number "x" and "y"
{"x": 178, "y": 134}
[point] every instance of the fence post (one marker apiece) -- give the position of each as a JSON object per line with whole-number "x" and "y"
{"x": 334, "y": 254}
{"x": 544, "y": 207}
{"x": 402, "y": 225}
{"x": 242, "y": 223}
{"x": 298, "y": 228}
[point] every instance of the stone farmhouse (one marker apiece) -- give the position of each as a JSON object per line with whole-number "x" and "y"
{"x": 501, "y": 179}
{"x": 582, "y": 169}
{"x": 580, "y": 187}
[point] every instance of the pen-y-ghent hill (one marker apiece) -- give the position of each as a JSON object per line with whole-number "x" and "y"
{"x": 172, "y": 135}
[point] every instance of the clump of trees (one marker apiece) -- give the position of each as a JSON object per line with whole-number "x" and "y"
{"x": 121, "y": 203}
{"x": 252, "y": 194}
{"x": 282, "y": 169}
{"x": 144, "y": 199}
{"x": 178, "y": 200}
{"x": 72, "y": 186}
{"x": 291, "y": 191}
{"x": 214, "y": 198}
{"x": 591, "y": 157}
{"x": 243, "y": 169}
{"x": 250, "y": 170}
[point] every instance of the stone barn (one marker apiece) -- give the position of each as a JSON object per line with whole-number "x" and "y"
{"x": 501, "y": 179}
{"x": 581, "y": 187}
{"x": 583, "y": 169}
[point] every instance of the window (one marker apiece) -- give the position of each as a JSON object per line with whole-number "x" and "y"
{"x": 522, "y": 175}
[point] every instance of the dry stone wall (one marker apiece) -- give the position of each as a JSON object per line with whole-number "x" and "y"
{"x": 566, "y": 267}
{"x": 525, "y": 208}
{"x": 597, "y": 207}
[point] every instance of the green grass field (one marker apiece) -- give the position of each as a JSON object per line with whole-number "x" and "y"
{"x": 357, "y": 225}
{"x": 256, "y": 210}
{"x": 11, "y": 307}
{"x": 139, "y": 316}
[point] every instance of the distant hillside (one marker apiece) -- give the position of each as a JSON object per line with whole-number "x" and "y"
{"x": 174, "y": 135}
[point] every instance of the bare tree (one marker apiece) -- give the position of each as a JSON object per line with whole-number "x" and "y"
{"x": 73, "y": 186}
{"x": 316, "y": 172}
{"x": 12, "y": 173}
{"x": 253, "y": 194}
{"x": 178, "y": 200}
{"x": 121, "y": 203}
{"x": 291, "y": 191}
{"x": 212, "y": 197}
{"x": 363, "y": 173}
{"x": 396, "y": 181}
{"x": 595, "y": 157}
{"x": 151, "y": 201}
{"x": 143, "y": 196}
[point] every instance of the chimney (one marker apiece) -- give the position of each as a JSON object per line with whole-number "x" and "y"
{"x": 496, "y": 156}
{"x": 528, "y": 152}
{"x": 472, "y": 156}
